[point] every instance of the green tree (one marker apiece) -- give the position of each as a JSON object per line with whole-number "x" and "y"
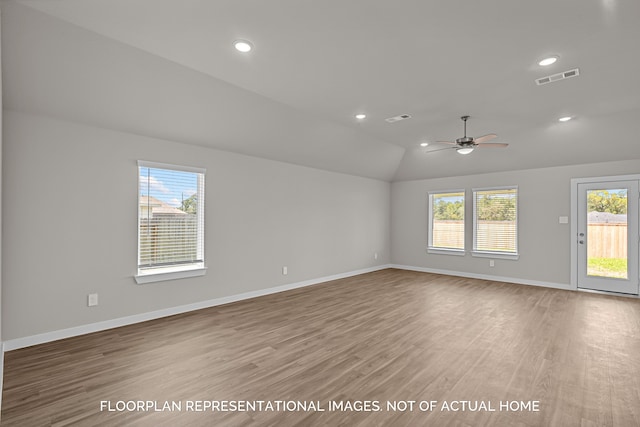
{"x": 496, "y": 208}
{"x": 190, "y": 204}
{"x": 448, "y": 210}
{"x": 605, "y": 201}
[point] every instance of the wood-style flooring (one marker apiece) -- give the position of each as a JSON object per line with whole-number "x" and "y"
{"x": 359, "y": 342}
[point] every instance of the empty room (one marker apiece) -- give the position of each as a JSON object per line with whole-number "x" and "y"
{"x": 320, "y": 213}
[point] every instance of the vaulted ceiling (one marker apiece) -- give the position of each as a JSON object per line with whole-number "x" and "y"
{"x": 167, "y": 69}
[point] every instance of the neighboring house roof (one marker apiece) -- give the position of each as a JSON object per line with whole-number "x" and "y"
{"x": 606, "y": 217}
{"x": 158, "y": 207}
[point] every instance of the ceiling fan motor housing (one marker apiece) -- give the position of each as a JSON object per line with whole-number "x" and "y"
{"x": 467, "y": 140}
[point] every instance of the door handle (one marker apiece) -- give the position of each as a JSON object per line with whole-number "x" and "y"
{"x": 581, "y": 242}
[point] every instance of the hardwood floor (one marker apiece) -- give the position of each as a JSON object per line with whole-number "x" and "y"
{"x": 381, "y": 337}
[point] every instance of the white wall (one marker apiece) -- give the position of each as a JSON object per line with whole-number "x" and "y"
{"x": 75, "y": 107}
{"x": 69, "y": 199}
{"x": 544, "y": 244}
{"x": 70, "y": 224}
{"x": 56, "y": 69}
{"x": 1, "y": 132}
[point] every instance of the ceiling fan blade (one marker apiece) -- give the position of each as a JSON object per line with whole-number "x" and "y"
{"x": 439, "y": 149}
{"x": 484, "y": 138}
{"x": 494, "y": 145}
{"x": 446, "y": 142}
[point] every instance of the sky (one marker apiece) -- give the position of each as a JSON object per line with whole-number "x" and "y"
{"x": 449, "y": 197}
{"x": 168, "y": 186}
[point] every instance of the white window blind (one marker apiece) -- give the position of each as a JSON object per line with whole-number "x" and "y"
{"x": 170, "y": 218}
{"x": 495, "y": 220}
{"x": 446, "y": 221}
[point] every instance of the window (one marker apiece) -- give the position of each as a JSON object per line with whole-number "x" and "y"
{"x": 170, "y": 222}
{"x": 446, "y": 222}
{"x": 495, "y": 222}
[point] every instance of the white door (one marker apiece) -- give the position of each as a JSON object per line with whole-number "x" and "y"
{"x": 608, "y": 236}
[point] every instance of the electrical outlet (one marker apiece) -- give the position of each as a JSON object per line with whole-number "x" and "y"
{"x": 92, "y": 300}
{"x": 285, "y": 270}
{"x": 375, "y": 256}
{"x": 492, "y": 263}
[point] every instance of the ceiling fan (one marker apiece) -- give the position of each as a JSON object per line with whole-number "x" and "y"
{"x": 467, "y": 144}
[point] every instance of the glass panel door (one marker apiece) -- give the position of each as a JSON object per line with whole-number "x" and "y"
{"x": 608, "y": 236}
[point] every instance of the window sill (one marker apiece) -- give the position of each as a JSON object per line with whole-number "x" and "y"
{"x": 443, "y": 251}
{"x": 169, "y": 273}
{"x": 496, "y": 255}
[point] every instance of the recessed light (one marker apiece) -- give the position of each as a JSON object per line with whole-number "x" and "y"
{"x": 424, "y": 144}
{"x": 243, "y": 46}
{"x": 565, "y": 119}
{"x": 548, "y": 61}
{"x": 361, "y": 116}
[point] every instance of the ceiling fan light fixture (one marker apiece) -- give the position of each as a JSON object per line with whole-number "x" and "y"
{"x": 467, "y": 144}
{"x": 424, "y": 144}
{"x": 361, "y": 116}
{"x": 548, "y": 61}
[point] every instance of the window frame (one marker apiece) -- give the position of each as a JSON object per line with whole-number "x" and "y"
{"x": 495, "y": 254}
{"x": 442, "y": 250}
{"x": 178, "y": 270}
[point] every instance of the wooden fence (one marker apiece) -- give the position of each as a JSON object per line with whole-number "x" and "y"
{"x": 448, "y": 234}
{"x": 607, "y": 240}
{"x": 169, "y": 239}
{"x": 492, "y": 235}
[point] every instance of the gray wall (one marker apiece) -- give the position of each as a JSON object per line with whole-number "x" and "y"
{"x": 56, "y": 69}
{"x": 0, "y": 206}
{"x": 69, "y": 200}
{"x": 76, "y": 105}
{"x": 544, "y": 244}
{"x": 70, "y": 206}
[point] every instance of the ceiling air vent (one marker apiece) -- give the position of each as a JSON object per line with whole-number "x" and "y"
{"x": 397, "y": 118}
{"x": 559, "y": 76}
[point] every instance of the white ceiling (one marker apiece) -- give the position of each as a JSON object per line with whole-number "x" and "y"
{"x": 320, "y": 62}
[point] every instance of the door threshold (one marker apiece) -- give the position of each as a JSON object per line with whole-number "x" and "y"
{"x": 610, "y": 293}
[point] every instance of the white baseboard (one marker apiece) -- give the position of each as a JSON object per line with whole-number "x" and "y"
{"x": 17, "y": 343}
{"x": 486, "y": 277}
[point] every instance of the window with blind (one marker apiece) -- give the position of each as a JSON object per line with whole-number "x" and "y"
{"x": 170, "y": 222}
{"x": 495, "y": 222}
{"x": 446, "y": 222}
